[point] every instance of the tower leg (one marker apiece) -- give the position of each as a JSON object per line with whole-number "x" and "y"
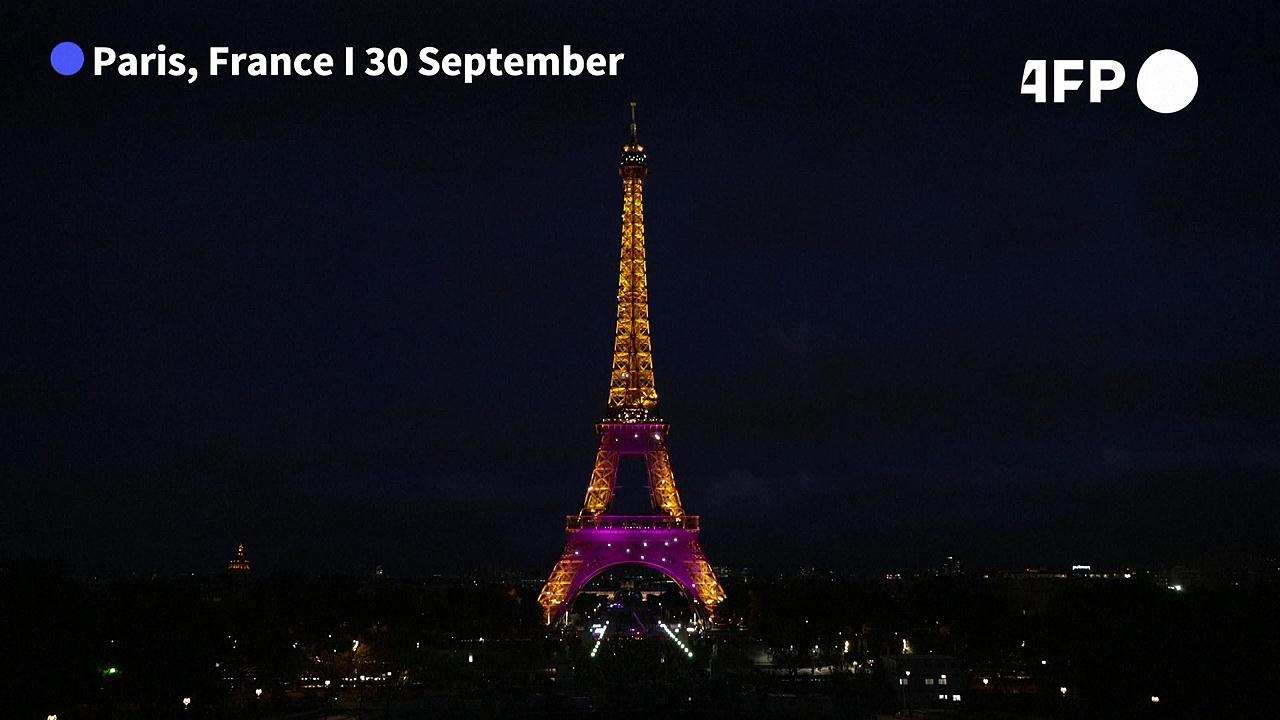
{"x": 662, "y": 482}
{"x": 555, "y": 594}
{"x": 604, "y": 477}
{"x": 703, "y": 579}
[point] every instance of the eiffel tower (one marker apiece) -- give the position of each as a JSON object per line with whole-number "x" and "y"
{"x": 667, "y": 540}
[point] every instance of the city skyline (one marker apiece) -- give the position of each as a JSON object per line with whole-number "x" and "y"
{"x": 916, "y": 359}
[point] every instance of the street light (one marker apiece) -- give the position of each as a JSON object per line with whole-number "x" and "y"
{"x": 186, "y": 702}
{"x": 902, "y": 685}
{"x": 1155, "y": 699}
{"x": 257, "y": 693}
{"x": 1063, "y": 690}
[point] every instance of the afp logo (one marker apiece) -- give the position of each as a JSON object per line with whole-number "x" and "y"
{"x": 1167, "y": 81}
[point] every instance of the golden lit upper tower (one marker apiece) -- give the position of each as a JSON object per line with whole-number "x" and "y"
{"x": 632, "y": 394}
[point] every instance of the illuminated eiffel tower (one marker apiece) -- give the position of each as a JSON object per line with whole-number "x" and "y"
{"x": 667, "y": 540}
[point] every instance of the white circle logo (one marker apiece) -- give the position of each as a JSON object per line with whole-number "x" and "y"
{"x": 1167, "y": 81}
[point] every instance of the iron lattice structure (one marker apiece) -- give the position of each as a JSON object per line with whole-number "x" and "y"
{"x": 668, "y": 539}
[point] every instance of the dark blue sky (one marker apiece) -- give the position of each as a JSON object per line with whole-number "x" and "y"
{"x": 899, "y": 310}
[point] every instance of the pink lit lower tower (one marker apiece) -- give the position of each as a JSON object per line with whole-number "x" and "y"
{"x": 666, "y": 540}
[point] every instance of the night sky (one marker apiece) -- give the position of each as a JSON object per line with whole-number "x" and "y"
{"x": 899, "y": 310}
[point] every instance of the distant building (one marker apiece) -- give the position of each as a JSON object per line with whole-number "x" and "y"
{"x": 1182, "y": 578}
{"x": 925, "y": 681}
{"x": 239, "y": 564}
{"x": 951, "y": 567}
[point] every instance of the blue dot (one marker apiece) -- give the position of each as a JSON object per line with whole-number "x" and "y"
{"x": 67, "y": 58}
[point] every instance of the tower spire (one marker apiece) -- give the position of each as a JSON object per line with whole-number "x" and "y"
{"x": 632, "y": 394}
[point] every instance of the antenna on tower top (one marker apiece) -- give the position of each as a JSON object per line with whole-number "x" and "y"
{"x": 633, "y": 123}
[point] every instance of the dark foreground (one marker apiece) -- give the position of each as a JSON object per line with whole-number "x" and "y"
{"x": 814, "y": 645}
